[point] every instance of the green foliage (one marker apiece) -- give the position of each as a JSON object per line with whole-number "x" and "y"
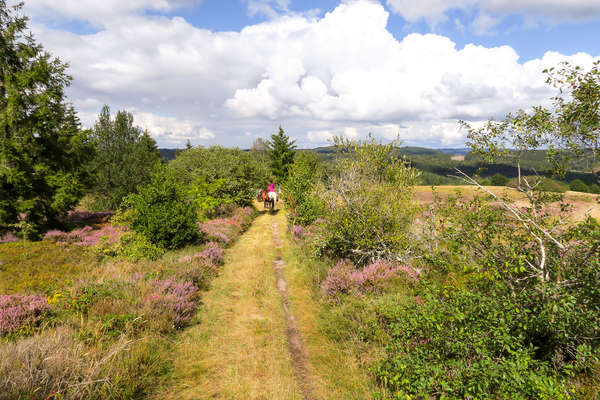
{"x": 131, "y": 245}
{"x": 281, "y": 153}
{"x": 454, "y": 343}
{"x": 498, "y": 180}
{"x": 231, "y": 175}
{"x": 577, "y": 185}
{"x": 42, "y": 146}
{"x": 569, "y": 131}
{"x": 162, "y": 212}
{"x": 594, "y": 188}
{"x": 302, "y": 201}
{"x": 552, "y": 185}
{"x": 206, "y": 196}
{"x": 368, "y": 203}
{"x": 125, "y": 157}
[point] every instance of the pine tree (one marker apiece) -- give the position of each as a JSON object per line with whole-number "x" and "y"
{"x": 125, "y": 158}
{"x": 281, "y": 153}
{"x": 42, "y": 146}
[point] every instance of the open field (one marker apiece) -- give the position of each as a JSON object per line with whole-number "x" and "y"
{"x": 583, "y": 204}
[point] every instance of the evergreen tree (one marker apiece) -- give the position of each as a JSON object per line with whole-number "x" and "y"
{"x": 125, "y": 158}
{"x": 281, "y": 152}
{"x": 42, "y": 145}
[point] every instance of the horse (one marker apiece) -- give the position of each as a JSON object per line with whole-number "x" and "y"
{"x": 269, "y": 199}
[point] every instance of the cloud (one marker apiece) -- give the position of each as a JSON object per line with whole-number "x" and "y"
{"x": 269, "y": 8}
{"x": 344, "y": 73}
{"x": 552, "y": 11}
{"x": 99, "y": 13}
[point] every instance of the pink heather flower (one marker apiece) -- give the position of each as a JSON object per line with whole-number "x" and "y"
{"x": 8, "y": 238}
{"x": 344, "y": 278}
{"x": 212, "y": 254}
{"x": 17, "y": 310}
{"x": 185, "y": 259}
{"x": 87, "y": 236}
{"x": 299, "y": 232}
{"x": 178, "y": 297}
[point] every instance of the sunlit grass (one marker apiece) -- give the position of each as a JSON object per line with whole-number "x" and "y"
{"x": 238, "y": 350}
{"x": 42, "y": 267}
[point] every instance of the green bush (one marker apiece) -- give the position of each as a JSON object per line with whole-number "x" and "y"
{"x": 594, "y": 188}
{"x": 236, "y": 173}
{"x": 577, "y": 185}
{"x": 162, "y": 212}
{"x": 498, "y": 179}
{"x": 457, "y": 344}
{"x": 368, "y": 203}
{"x": 131, "y": 245}
{"x": 551, "y": 185}
{"x": 302, "y": 202}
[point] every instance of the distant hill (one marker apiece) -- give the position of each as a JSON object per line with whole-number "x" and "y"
{"x": 168, "y": 154}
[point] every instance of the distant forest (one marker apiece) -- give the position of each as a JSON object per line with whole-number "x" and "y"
{"x": 438, "y": 166}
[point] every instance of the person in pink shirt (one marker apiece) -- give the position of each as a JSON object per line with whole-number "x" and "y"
{"x": 271, "y": 187}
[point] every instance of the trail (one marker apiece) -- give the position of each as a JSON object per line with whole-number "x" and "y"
{"x": 247, "y": 344}
{"x": 294, "y": 338}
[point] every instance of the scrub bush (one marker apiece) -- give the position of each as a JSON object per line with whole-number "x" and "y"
{"x": 162, "y": 212}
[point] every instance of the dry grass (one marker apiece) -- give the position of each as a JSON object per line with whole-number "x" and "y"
{"x": 238, "y": 351}
{"x": 583, "y": 204}
{"x": 335, "y": 370}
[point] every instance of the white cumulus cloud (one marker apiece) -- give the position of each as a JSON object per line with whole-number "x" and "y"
{"x": 344, "y": 73}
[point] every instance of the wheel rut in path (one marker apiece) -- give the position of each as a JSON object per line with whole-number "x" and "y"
{"x": 293, "y": 336}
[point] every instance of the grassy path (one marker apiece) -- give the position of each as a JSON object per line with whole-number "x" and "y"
{"x": 249, "y": 343}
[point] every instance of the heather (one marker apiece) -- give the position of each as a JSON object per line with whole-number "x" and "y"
{"x": 106, "y": 327}
{"x": 18, "y": 311}
{"x": 87, "y": 236}
{"x": 345, "y": 279}
{"x": 221, "y": 230}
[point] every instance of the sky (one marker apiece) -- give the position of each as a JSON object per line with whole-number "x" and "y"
{"x": 229, "y": 71}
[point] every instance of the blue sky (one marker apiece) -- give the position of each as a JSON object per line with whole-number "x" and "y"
{"x": 229, "y": 71}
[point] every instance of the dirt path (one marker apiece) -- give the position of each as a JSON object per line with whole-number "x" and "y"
{"x": 294, "y": 338}
{"x": 246, "y": 345}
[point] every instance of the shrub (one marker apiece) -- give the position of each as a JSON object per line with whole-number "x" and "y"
{"x": 457, "y": 344}
{"x": 8, "y": 237}
{"x": 498, "y": 179}
{"x": 131, "y": 245}
{"x": 175, "y": 298}
{"x": 303, "y": 205}
{"x": 577, "y": 185}
{"x": 18, "y": 311}
{"x": 162, "y": 213}
{"x": 230, "y": 175}
{"x": 87, "y": 236}
{"x": 344, "y": 278}
{"x": 212, "y": 255}
{"x": 369, "y": 203}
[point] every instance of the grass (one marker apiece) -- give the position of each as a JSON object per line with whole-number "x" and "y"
{"x": 113, "y": 323}
{"x": 42, "y": 267}
{"x": 583, "y": 204}
{"x": 239, "y": 348}
{"x": 336, "y": 371}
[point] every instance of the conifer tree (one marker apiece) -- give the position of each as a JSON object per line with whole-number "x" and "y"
{"x": 281, "y": 153}
{"x": 42, "y": 146}
{"x": 125, "y": 158}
